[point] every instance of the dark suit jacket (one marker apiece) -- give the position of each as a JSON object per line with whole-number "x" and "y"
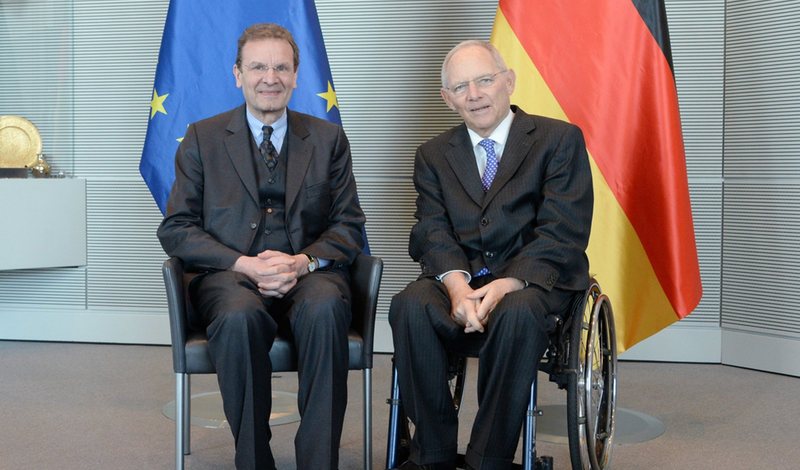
{"x": 213, "y": 210}
{"x": 533, "y": 223}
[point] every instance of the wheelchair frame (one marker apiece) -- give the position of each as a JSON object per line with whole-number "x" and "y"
{"x": 581, "y": 358}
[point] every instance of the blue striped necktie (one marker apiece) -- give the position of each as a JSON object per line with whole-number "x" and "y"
{"x": 490, "y": 170}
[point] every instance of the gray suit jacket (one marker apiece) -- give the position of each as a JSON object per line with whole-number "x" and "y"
{"x": 533, "y": 223}
{"x": 213, "y": 210}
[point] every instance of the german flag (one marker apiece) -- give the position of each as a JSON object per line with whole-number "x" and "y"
{"x": 605, "y": 65}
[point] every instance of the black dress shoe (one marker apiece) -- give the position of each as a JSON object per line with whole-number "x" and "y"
{"x": 409, "y": 465}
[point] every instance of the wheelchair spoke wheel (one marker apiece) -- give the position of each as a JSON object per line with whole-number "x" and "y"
{"x": 592, "y": 382}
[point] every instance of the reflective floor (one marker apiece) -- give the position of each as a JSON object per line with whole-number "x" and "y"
{"x": 206, "y": 410}
{"x": 631, "y": 426}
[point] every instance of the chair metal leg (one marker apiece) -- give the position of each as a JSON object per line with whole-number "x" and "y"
{"x": 367, "y": 376}
{"x": 187, "y": 416}
{"x": 394, "y": 417}
{"x": 529, "y": 456}
{"x": 180, "y": 423}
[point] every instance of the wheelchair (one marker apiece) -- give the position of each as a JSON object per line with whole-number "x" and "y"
{"x": 581, "y": 358}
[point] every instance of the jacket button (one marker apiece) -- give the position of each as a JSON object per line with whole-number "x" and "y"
{"x": 489, "y": 254}
{"x": 253, "y": 225}
{"x": 484, "y": 221}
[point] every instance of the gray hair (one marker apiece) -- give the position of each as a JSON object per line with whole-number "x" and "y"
{"x": 498, "y": 59}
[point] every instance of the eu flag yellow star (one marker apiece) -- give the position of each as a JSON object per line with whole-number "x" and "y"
{"x": 330, "y": 97}
{"x": 157, "y": 104}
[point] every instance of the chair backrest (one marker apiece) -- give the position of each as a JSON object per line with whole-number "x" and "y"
{"x": 365, "y": 282}
{"x": 176, "y": 305}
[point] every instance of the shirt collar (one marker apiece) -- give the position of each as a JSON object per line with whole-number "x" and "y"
{"x": 279, "y": 128}
{"x": 500, "y": 133}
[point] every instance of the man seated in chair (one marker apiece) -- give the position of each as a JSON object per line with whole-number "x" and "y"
{"x": 504, "y": 210}
{"x": 264, "y": 206}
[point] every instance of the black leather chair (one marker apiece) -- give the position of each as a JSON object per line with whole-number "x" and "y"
{"x": 190, "y": 348}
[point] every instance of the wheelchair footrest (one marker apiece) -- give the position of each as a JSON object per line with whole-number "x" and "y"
{"x": 544, "y": 463}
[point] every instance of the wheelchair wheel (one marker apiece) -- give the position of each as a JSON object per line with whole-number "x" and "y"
{"x": 592, "y": 382}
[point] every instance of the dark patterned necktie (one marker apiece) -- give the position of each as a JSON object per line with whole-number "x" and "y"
{"x": 267, "y": 150}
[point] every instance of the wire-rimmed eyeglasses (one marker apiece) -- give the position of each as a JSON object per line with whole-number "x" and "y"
{"x": 484, "y": 81}
{"x": 263, "y": 69}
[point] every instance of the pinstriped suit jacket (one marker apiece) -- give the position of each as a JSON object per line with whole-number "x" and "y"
{"x": 214, "y": 209}
{"x": 533, "y": 223}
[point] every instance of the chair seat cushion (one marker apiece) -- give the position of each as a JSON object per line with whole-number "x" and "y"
{"x": 282, "y": 354}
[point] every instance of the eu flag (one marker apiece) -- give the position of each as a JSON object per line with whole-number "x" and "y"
{"x": 194, "y": 77}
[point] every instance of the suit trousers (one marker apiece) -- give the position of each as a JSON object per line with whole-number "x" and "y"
{"x": 241, "y": 327}
{"x": 508, "y": 352}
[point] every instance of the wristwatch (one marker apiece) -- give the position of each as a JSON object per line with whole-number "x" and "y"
{"x": 313, "y": 263}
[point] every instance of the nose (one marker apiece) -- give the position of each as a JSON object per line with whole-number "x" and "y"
{"x": 472, "y": 90}
{"x": 270, "y": 76}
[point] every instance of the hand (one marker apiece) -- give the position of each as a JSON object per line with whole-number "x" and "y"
{"x": 463, "y": 309}
{"x": 274, "y": 272}
{"x": 491, "y": 294}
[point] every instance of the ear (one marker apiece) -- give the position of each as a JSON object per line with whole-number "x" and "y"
{"x": 237, "y": 74}
{"x": 512, "y": 81}
{"x": 446, "y": 98}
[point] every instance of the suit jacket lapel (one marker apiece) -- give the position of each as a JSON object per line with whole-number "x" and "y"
{"x": 298, "y": 157}
{"x": 519, "y": 144}
{"x": 461, "y": 158}
{"x": 237, "y": 143}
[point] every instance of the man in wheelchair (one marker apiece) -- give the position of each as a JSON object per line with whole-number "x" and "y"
{"x": 504, "y": 211}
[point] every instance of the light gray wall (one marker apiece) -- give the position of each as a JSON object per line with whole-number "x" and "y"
{"x": 761, "y": 206}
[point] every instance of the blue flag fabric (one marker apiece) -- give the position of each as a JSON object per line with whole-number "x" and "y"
{"x": 194, "y": 78}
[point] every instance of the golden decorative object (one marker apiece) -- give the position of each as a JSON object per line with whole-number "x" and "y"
{"x": 20, "y": 142}
{"x": 41, "y": 168}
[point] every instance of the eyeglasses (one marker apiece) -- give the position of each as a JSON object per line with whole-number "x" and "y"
{"x": 481, "y": 82}
{"x": 263, "y": 69}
